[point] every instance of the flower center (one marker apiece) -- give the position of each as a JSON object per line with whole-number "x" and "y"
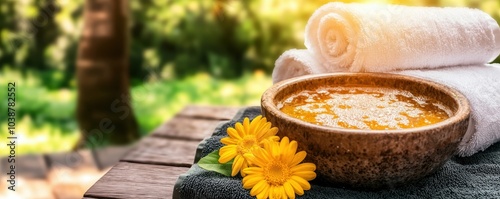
{"x": 276, "y": 173}
{"x": 247, "y": 144}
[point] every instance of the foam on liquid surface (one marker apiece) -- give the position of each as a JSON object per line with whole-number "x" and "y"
{"x": 364, "y": 108}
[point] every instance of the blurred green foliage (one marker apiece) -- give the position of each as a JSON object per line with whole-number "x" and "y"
{"x": 182, "y": 51}
{"x": 224, "y": 38}
{"x": 45, "y": 118}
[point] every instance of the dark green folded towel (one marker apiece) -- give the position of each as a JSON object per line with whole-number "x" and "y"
{"x": 475, "y": 177}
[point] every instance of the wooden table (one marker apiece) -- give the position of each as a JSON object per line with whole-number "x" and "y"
{"x": 151, "y": 169}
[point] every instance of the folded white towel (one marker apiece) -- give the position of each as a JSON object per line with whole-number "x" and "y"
{"x": 295, "y": 63}
{"x": 479, "y": 83}
{"x": 375, "y": 38}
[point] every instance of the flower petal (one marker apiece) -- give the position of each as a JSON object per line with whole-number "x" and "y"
{"x": 274, "y": 138}
{"x": 229, "y": 141}
{"x": 261, "y": 126}
{"x": 236, "y": 167}
{"x": 244, "y": 166}
{"x": 289, "y": 190}
{"x": 260, "y": 157}
{"x": 303, "y": 183}
{"x": 256, "y": 122}
{"x": 229, "y": 148}
{"x": 297, "y": 158}
{"x": 259, "y": 187}
{"x": 233, "y": 133}
{"x": 262, "y": 131}
{"x": 304, "y": 167}
{"x": 272, "y": 131}
{"x": 263, "y": 120}
{"x": 239, "y": 127}
{"x": 277, "y": 192}
{"x": 307, "y": 175}
{"x": 296, "y": 187}
{"x": 253, "y": 171}
{"x": 250, "y": 181}
{"x": 275, "y": 150}
{"x": 284, "y": 144}
{"x": 246, "y": 125}
{"x": 292, "y": 148}
{"x": 264, "y": 193}
{"x": 226, "y": 157}
{"x": 250, "y": 157}
{"x": 272, "y": 194}
{"x": 280, "y": 192}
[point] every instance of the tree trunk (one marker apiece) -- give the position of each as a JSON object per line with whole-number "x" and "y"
{"x": 104, "y": 111}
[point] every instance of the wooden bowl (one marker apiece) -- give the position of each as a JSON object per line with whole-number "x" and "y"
{"x": 371, "y": 158}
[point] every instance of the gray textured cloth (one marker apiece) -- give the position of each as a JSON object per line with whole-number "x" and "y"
{"x": 477, "y": 176}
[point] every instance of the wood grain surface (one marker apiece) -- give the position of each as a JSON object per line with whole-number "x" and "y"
{"x": 209, "y": 112}
{"x": 153, "y": 150}
{"x": 151, "y": 169}
{"x": 132, "y": 180}
{"x": 186, "y": 128}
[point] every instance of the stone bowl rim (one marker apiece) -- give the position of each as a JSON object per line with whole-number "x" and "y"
{"x": 462, "y": 112}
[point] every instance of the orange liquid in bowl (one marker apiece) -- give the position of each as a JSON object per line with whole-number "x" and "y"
{"x": 372, "y": 108}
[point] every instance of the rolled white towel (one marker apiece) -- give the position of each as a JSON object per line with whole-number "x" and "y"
{"x": 479, "y": 83}
{"x": 374, "y": 38}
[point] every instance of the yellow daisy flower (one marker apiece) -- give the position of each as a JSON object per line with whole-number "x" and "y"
{"x": 245, "y": 139}
{"x": 277, "y": 173}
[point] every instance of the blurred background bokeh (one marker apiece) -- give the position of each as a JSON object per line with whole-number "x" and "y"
{"x": 217, "y": 52}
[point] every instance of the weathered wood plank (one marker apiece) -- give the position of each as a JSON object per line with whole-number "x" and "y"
{"x": 186, "y": 128}
{"x": 131, "y": 180}
{"x": 209, "y": 112}
{"x": 154, "y": 150}
{"x": 151, "y": 169}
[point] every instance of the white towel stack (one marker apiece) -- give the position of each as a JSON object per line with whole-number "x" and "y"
{"x": 446, "y": 45}
{"x": 377, "y": 38}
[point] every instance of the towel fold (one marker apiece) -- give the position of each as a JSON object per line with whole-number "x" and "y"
{"x": 479, "y": 83}
{"x": 376, "y": 38}
{"x": 296, "y": 65}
